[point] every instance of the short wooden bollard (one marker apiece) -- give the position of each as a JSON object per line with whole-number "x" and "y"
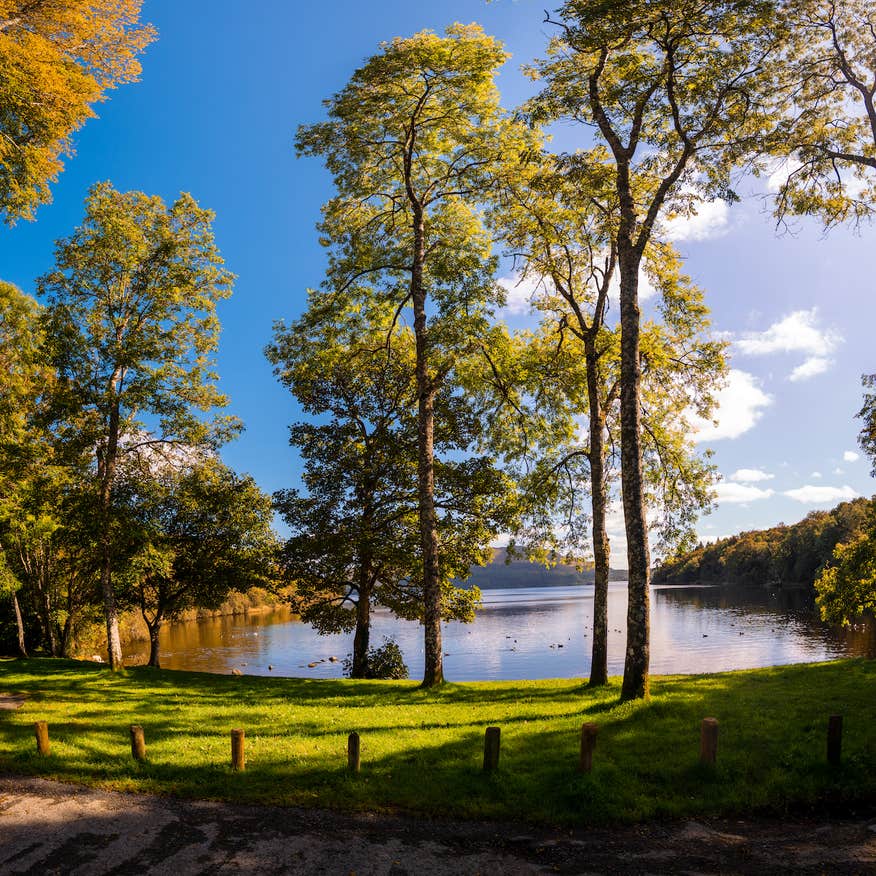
{"x": 588, "y": 743}
{"x": 41, "y": 731}
{"x": 238, "y": 758}
{"x": 834, "y": 739}
{"x": 353, "y": 761}
{"x": 491, "y": 749}
{"x": 138, "y": 742}
{"x": 709, "y": 741}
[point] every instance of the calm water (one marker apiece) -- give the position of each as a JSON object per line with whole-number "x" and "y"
{"x": 539, "y": 633}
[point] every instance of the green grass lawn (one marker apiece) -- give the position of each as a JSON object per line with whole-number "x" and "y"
{"x": 422, "y": 751}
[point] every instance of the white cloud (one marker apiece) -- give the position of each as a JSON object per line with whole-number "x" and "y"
{"x": 796, "y": 332}
{"x": 750, "y": 475}
{"x": 812, "y": 366}
{"x": 740, "y": 406}
{"x": 850, "y": 456}
{"x": 646, "y": 288}
{"x": 811, "y": 494}
{"x": 736, "y": 493}
{"x": 519, "y": 292}
{"x": 708, "y": 539}
{"x": 838, "y": 470}
{"x": 855, "y": 185}
{"x": 815, "y": 474}
{"x": 782, "y": 170}
{"x": 710, "y": 219}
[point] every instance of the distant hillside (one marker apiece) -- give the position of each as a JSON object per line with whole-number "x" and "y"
{"x": 520, "y": 573}
{"x": 782, "y": 555}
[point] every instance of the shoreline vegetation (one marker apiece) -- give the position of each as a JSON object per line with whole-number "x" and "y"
{"x": 781, "y": 556}
{"x": 133, "y": 630}
{"x": 771, "y": 750}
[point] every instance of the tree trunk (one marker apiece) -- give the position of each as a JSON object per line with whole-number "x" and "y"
{"x": 434, "y": 668}
{"x": 361, "y": 639}
{"x": 106, "y": 473}
{"x": 635, "y": 682}
{"x": 19, "y": 623}
{"x": 67, "y": 636}
{"x": 113, "y": 641}
{"x": 154, "y": 630}
{"x": 599, "y": 503}
{"x": 46, "y": 614}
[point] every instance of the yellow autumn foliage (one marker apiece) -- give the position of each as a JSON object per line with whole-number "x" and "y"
{"x": 57, "y": 59}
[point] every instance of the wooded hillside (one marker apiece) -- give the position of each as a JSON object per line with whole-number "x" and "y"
{"x": 502, "y": 573}
{"x": 789, "y": 555}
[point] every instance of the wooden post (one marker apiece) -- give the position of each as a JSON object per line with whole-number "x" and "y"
{"x": 353, "y": 761}
{"x": 491, "y": 749}
{"x": 834, "y": 739}
{"x": 588, "y": 743}
{"x": 238, "y": 758}
{"x": 709, "y": 741}
{"x": 138, "y": 742}
{"x": 41, "y": 731}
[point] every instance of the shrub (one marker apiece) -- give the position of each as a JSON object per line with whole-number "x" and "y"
{"x": 384, "y": 662}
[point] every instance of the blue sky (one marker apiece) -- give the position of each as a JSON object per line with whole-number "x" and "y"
{"x": 222, "y": 93}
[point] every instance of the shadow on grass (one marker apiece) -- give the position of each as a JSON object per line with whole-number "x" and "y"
{"x": 422, "y": 750}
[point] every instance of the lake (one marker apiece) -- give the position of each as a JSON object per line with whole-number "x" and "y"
{"x": 537, "y": 632}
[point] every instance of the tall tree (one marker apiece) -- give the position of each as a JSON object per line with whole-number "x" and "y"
{"x": 413, "y": 142}
{"x": 676, "y": 92}
{"x": 355, "y": 531}
{"x": 57, "y": 59}
{"x": 130, "y": 328}
{"x": 21, "y": 450}
{"x": 558, "y": 224}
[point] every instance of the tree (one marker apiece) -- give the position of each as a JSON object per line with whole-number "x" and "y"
{"x": 558, "y": 223}
{"x": 45, "y": 536}
{"x": 49, "y": 538}
{"x": 867, "y": 436}
{"x": 57, "y": 59}
{"x": 676, "y": 92}
{"x": 197, "y": 532}
{"x": 414, "y": 141}
{"x": 130, "y": 327}
{"x": 847, "y": 587}
{"x": 826, "y": 139}
{"x": 355, "y": 532}
{"x": 23, "y": 377}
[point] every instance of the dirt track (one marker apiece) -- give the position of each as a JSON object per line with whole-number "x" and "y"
{"x": 46, "y": 828}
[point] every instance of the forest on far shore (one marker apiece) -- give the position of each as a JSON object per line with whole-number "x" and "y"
{"x": 782, "y": 555}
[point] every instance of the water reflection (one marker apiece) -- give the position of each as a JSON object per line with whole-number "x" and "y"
{"x": 540, "y": 633}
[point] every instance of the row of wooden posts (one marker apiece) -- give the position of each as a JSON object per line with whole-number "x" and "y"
{"x": 492, "y": 738}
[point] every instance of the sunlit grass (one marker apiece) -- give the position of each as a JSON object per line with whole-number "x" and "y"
{"x": 422, "y": 751}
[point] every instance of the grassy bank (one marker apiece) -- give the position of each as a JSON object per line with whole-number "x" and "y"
{"x": 422, "y": 751}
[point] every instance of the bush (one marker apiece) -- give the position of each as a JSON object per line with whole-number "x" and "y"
{"x": 384, "y": 662}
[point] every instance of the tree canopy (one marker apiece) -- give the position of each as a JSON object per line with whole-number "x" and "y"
{"x": 414, "y": 143}
{"x": 677, "y": 94}
{"x": 130, "y": 328}
{"x": 196, "y": 533}
{"x": 57, "y": 59}
{"x": 826, "y": 87}
{"x": 355, "y": 533}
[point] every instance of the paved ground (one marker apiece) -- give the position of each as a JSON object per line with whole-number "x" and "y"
{"x": 48, "y": 828}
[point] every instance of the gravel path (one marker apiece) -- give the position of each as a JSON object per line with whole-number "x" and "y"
{"x": 47, "y": 828}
